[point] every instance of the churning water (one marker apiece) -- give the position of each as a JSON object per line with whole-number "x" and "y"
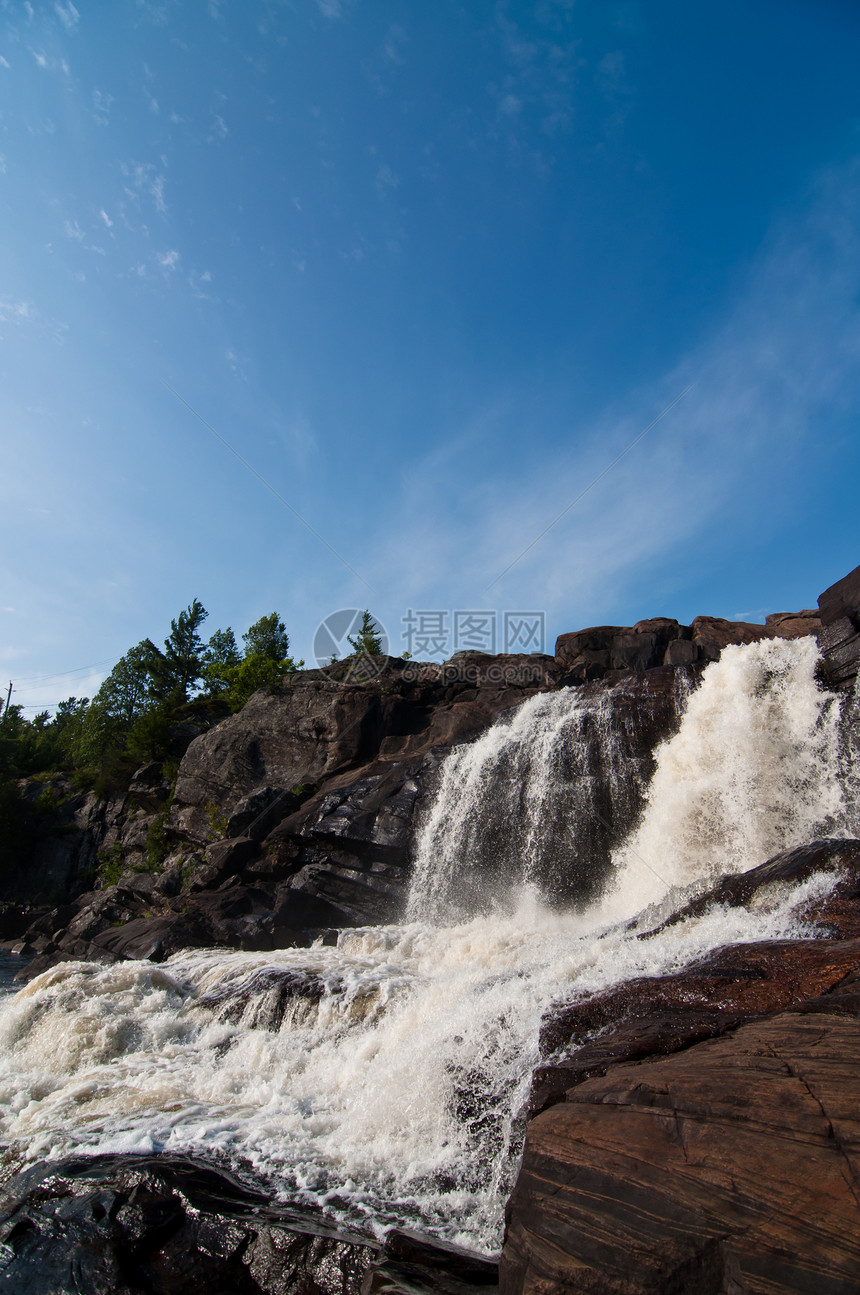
{"x": 384, "y": 1079}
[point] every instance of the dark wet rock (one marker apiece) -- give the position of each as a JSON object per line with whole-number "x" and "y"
{"x": 170, "y": 1225}
{"x": 841, "y": 600}
{"x": 148, "y": 787}
{"x": 411, "y": 1263}
{"x": 113, "y": 1227}
{"x": 224, "y": 859}
{"x": 264, "y": 999}
{"x": 839, "y": 638}
{"x": 607, "y": 650}
{"x": 260, "y": 811}
{"x": 711, "y": 634}
{"x": 794, "y": 625}
{"x": 830, "y": 855}
{"x": 658, "y": 1015}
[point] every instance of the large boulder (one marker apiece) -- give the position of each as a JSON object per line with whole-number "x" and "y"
{"x": 695, "y": 1129}
{"x": 728, "y": 1167}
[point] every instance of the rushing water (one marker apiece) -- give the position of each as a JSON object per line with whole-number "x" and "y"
{"x": 384, "y": 1079}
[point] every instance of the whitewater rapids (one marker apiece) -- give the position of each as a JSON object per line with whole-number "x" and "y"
{"x": 391, "y": 1091}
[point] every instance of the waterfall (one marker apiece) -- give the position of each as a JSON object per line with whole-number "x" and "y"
{"x": 754, "y": 769}
{"x": 538, "y": 800}
{"x": 383, "y": 1080}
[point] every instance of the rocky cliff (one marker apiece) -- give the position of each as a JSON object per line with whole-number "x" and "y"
{"x": 297, "y": 814}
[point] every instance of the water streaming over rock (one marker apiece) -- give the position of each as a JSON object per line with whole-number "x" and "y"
{"x": 755, "y": 768}
{"x": 384, "y": 1079}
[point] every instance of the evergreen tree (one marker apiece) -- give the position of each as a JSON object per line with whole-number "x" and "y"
{"x": 221, "y": 657}
{"x": 263, "y": 665}
{"x": 368, "y": 640}
{"x": 221, "y": 649}
{"x": 176, "y": 671}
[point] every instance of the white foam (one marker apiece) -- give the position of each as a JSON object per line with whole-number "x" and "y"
{"x": 393, "y": 1094}
{"x": 753, "y": 769}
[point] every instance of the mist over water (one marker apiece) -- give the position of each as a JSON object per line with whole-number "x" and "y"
{"x": 387, "y": 1085}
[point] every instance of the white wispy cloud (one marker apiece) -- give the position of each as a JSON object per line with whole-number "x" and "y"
{"x": 147, "y": 179}
{"x": 219, "y": 129}
{"x": 68, "y": 15}
{"x": 40, "y": 57}
{"x": 330, "y": 8}
{"x": 4, "y": 62}
{"x": 106, "y": 218}
{"x": 101, "y": 107}
{"x": 770, "y": 374}
{"x": 386, "y": 179}
{"x": 72, "y": 229}
{"x": 16, "y": 312}
{"x": 168, "y": 260}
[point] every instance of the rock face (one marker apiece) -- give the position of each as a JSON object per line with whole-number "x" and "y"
{"x": 611, "y": 650}
{"x": 839, "y": 639}
{"x": 700, "y": 1132}
{"x": 660, "y": 1178}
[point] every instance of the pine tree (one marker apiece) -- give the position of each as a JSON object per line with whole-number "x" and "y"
{"x": 368, "y": 640}
{"x": 175, "y": 671}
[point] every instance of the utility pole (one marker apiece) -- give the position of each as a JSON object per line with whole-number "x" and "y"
{"x": 8, "y": 698}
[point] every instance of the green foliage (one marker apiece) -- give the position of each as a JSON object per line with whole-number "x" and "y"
{"x": 175, "y": 672}
{"x": 221, "y": 654}
{"x": 157, "y": 844}
{"x": 98, "y": 743}
{"x": 242, "y": 681}
{"x": 217, "y": 820}
{"x": 267, "y": 638}
{"x": 124, "y": 694}
{"x": 368, "y": 640}
{"x": 111, "y": 864}
{"x": 148, "y": 737}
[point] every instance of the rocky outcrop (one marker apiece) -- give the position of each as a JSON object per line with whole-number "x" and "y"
{"x": 729, "y": 1167}
{"x": 839, "y": 639}
{"x": 699, "y": 1131}
{"x": 608, "y": 651}
{"x": 168, "y": 1225}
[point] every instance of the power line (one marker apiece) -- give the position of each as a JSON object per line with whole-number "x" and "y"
{"x": 62, "y": 674}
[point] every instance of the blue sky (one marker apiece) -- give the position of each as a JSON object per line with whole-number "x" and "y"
{"x": 429, "y": 269}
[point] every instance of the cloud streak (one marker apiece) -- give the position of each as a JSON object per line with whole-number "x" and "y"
{"x": 763, "y": 382}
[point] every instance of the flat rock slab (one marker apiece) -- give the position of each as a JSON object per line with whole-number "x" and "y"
{"x": 733, "y": 1167}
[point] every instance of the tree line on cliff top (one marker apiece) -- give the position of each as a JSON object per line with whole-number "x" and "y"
{"x": 148, "y": 691}
{"x": 141, "y": 709}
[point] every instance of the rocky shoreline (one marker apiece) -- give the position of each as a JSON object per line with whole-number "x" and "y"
{"x": 641, "y": 1172}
